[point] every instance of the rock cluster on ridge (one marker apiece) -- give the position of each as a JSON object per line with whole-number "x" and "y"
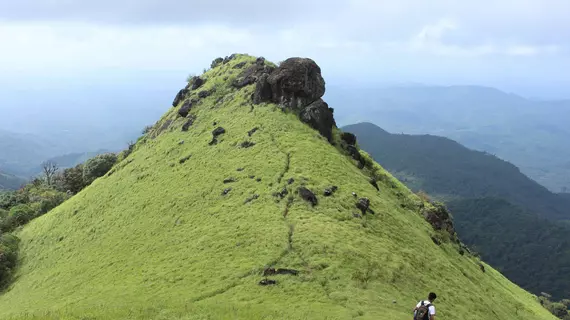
{"x": 297, "y": 85}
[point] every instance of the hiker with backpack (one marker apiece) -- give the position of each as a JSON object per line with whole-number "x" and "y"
{"x": 425, "y": 310}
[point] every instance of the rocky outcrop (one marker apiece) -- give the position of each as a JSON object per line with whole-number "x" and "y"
{"x": 188, "y": 123}
{"x": 296, "y": 83}
{"x": 179, "y": 97}
{"x": 185, "y": 109}
{"x": 319, "y": 116}
{"x": 440, "y": 219}
{"x": 251, "y": 74}
{"x": 263, "y": 91}
{"x": 196, "y": 82}
{"x": 348, "y": 138}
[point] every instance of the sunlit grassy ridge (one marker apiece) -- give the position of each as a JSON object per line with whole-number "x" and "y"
{"x": 157, "y": 239}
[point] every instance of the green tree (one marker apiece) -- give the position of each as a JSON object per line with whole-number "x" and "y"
{"x": 98, "y": 166}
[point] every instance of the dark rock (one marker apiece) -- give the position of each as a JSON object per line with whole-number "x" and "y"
{"x": 440, "y": 219}
{"x": 230, "y": 58}
{"x": 226, "y": 191}
{"x": 251, "y": 74}
{"x": 250, "y": 199}
{"x": 363, "y": 204}
{"x": 213, "y": 142}
{"x": 482, "y": 267}
{"x": 247, "y": 144}
{"x": 260, "y": 61}
{"x": 188, "y": 123}
{"x": 272, "y": 271}
{"x": 258, "y": 179}
{"x": 185, "y": 109}
{"x": 197, "y": 82}
{"x": 290, "y": 181}
{"x": 296, "y": 83}
{"x": 435, "y": 240}
{"x": 262, "y": 91}
{"x": 330, "y": 191}
{"x": 319, "y": 116}
{"x": 349, "y": 138}
{"x": 218, "y": 131}
{"x": 252, "y": 131}
{"x": 179, "y": 97}
{"x": 267, "y": 282}
{"x": 308, "y": 195}
{"x": 240, "y": 65}
{"x": 239, "y": 169}
{"x": 354, "y": 194}
{"x": 204, "y": 94}
{"x": 374, "y": 183}
{"x": 284, "y": 192}
{"x": 356, "y": 215}
{"x": 355, "y": 154}
{"x": 216, "y": 62}
{"x": 229, "y": 180}
{"x": 461, "y": 251}
{"x": 252, "y": 177}
{"x": 181, "y": 142}
{"x": 182, "y": 160}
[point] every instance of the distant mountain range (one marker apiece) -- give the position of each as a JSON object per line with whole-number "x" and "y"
{"x": 534, "y": 135}
{"x": 517, "y": 225}
{"x": 21, "y": 155}
{"x": 9, "y": 181}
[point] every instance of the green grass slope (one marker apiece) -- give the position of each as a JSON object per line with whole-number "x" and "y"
{"x": 156, "y": 239}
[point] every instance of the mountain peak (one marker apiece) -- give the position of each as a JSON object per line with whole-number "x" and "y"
{"x": 244, "y": 201}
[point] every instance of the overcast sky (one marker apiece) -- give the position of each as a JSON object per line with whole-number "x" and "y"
{"x": 505, "y": 43}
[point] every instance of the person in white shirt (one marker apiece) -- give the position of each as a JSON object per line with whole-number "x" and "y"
{"x": 425, "y": 310}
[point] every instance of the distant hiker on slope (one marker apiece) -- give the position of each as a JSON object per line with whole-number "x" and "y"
{"x": 425, "y": 310}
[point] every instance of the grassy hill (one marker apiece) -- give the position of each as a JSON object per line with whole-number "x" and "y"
{"x": 509, "y": 218}
{"x": 161, "y": 236}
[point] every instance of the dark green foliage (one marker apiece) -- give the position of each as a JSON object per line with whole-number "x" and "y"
{"x": 559, "y": 309}
{"x": 496, "y": 208}
{"x": 72, "y": 179}
{"x": 98, "y": 166}
{"x": 21, "y": 214}
{"x": 8, "y": 257}
{"x": 530, "y": 250}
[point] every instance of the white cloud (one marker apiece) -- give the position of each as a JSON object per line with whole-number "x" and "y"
{"x": 431, "y": 39}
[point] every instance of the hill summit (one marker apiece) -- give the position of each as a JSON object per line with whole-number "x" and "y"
{"x": 244, "y": 201}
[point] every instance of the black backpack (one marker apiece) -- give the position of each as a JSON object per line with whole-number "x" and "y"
{"x": 422, "y": 313}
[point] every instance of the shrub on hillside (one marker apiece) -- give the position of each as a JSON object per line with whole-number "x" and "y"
{"x": 21, "y": 214}
{"x": 72, "y": 180}
{"x": 98, "y": 166}
{"x": 8, "y": 256}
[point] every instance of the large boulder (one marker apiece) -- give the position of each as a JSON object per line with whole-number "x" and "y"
{"x": 181, "y": 95}
{"x": 185, "y": 109}
{"x": 262, "y": 91}
{"x": 297, "y": 83}
{"x": 319, "y": 116}
{"x": 196, "y": 82}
